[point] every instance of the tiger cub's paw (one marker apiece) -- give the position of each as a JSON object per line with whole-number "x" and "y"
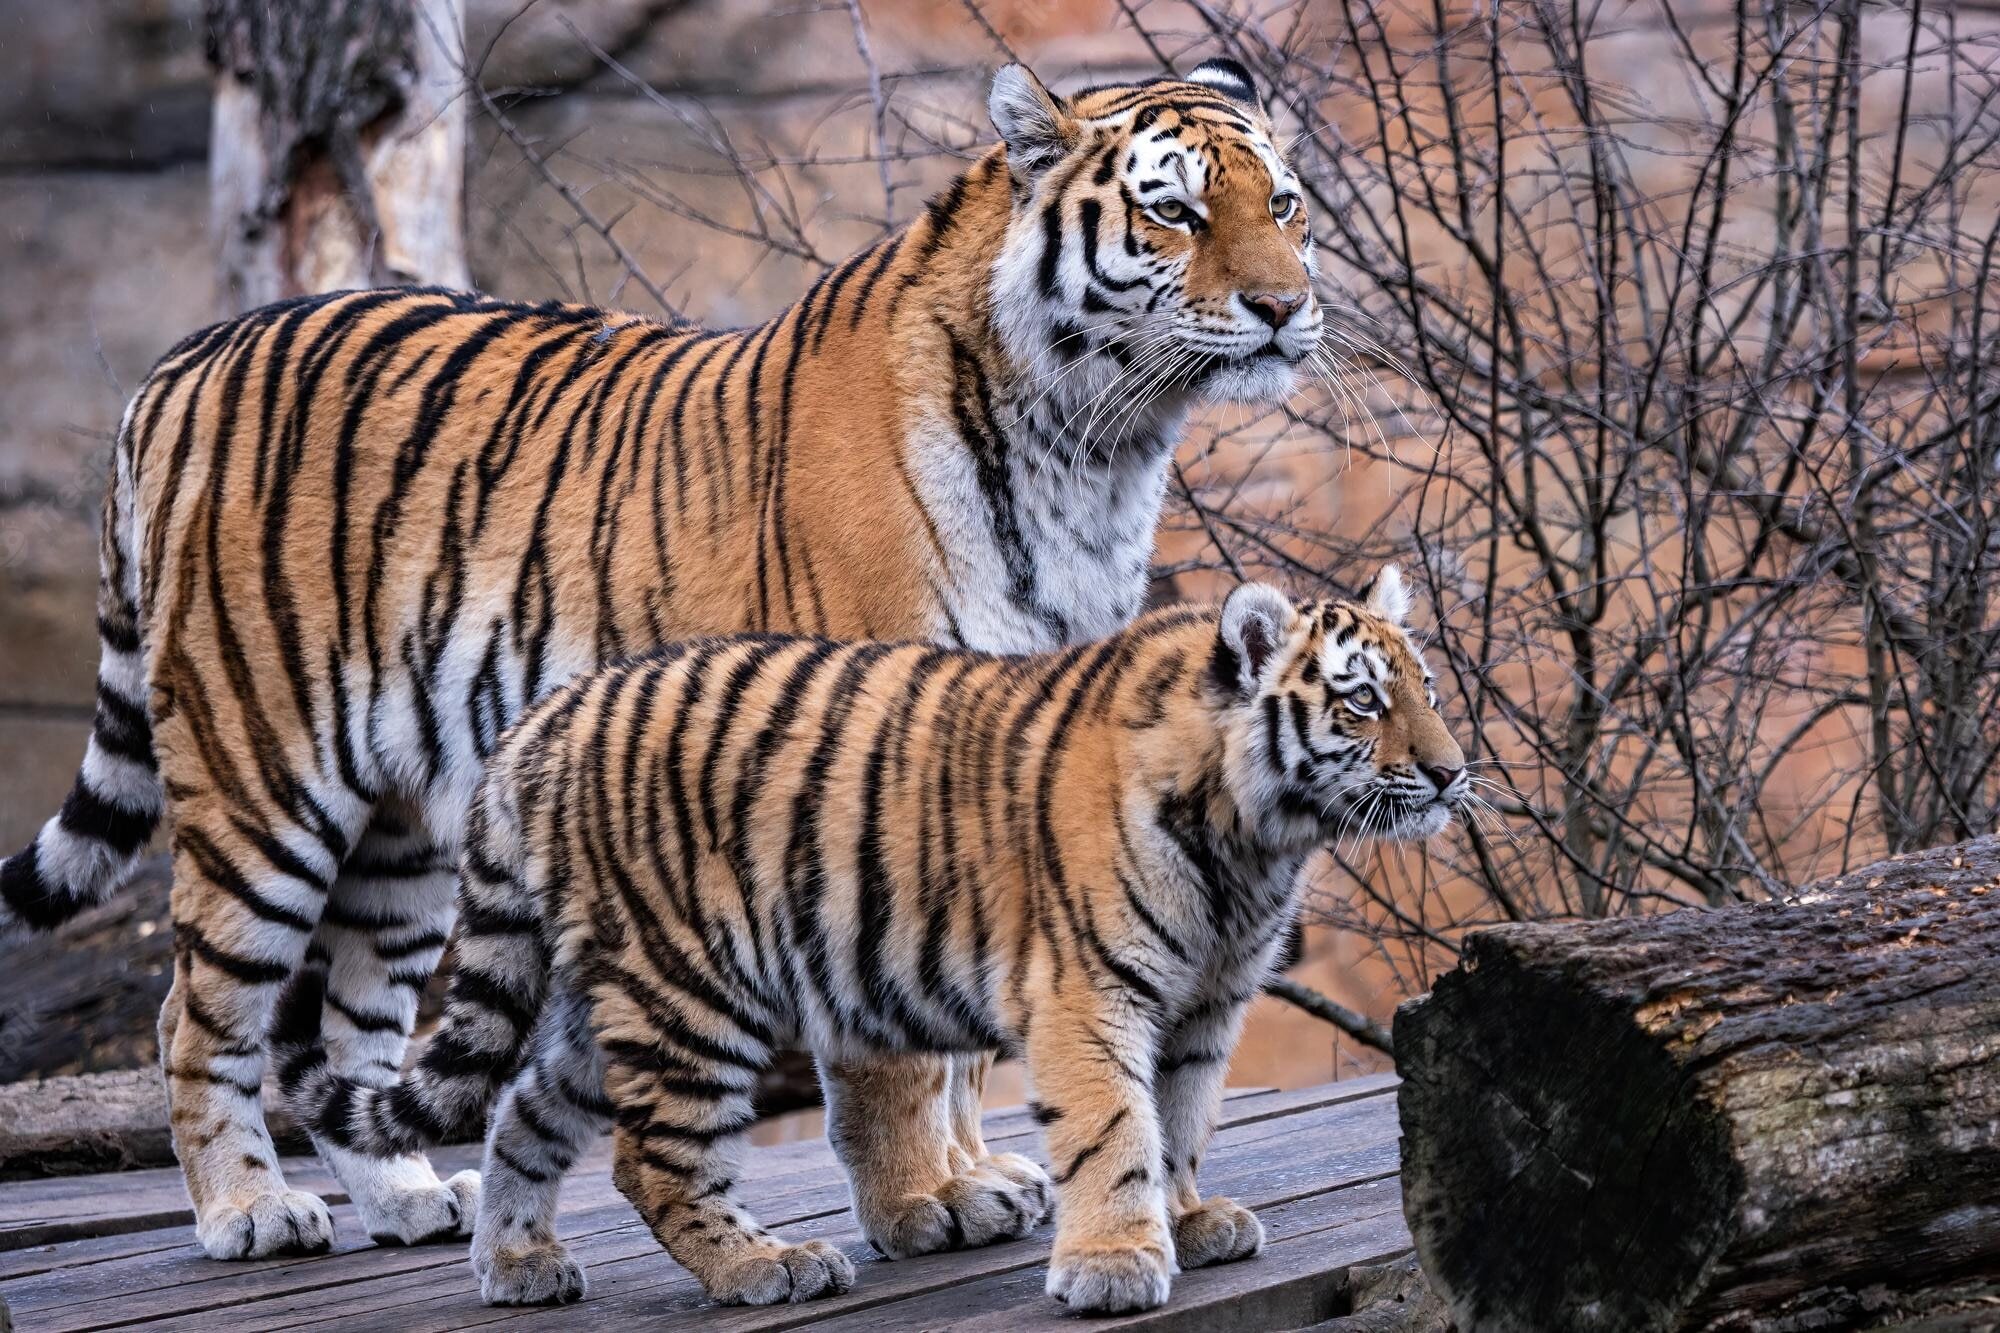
{"x": 1111, "y": 1279}
{"x": 1220, "y": 1231}
{"x": 1033, "y": 1194}
{"x": 769, "y": 1271}
{"x": 541, "y": 1273}
{"x": 1002, "y": 1198}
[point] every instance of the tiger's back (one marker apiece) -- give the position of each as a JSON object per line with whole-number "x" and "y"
{"x": 420, "y": 511}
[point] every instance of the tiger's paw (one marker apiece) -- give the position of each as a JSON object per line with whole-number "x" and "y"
{"x": 1002, "y": 1198}
{"x": 256, "y": 1226}
{"x": 1110, "y": 1279}
{"x": 1220, "y": 1231}
{"x": 769, "y": 1272}
{"x": 417, "y": 1212}
{"x": 538, "y": 1273}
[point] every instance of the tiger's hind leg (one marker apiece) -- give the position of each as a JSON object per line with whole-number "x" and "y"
{"x": 544, "y": 1121}
{"x": 245, "y": 901}
{"x": 379, "y": 941}
{"x": 683, "y": 1113}
{"x": 907, "y": 1130}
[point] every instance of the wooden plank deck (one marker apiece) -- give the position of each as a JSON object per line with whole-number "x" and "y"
{"x": 116, "y": 1251}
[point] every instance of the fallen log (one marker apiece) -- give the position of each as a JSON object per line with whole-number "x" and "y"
{"x": 1768, "y": 1117}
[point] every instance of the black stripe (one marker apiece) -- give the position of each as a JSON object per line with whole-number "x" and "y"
{"x": 972, "y": 412}
{"x": 1076, "y": 1163}
{"x": 524, "y": 1111}
{"x": 1090, "y": 216}
{"x": 1052, "y": 229}
{"x": 416, "y": 944}
{"x": 216, "y": 867}
{"x": 121, "y": 728}
{"x": 1151, "y": 922}
{"x": 28, "y": 898}
{"x": 88, "y": 815}
{"x": 867, "y": 287}
{"x": 120, "y": 634}
{"x": 472, "y": 987}
{"x": 519, "y": 1167}
{"x": 250, "y": 971}
{"x": 362, "y": 1018}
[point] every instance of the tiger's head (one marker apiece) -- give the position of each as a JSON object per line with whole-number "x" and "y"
{"x": 1330, "y": 722}
{"x": 1158, "y": 251}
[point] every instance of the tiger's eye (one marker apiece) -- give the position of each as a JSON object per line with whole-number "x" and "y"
{"x": 1170, "y": 210}
{"x": 1284, "y": 205}
{"x": 1364, "y": 700}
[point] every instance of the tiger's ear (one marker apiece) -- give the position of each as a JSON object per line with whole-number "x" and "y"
{"x": 1388, "y": 596}
{"x": 1229, "y": 78}
{"x": 1255, "y": 620}
{"x": 1033, "y": 122}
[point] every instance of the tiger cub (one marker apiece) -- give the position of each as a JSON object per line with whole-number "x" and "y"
{"x": 678, "y": 866}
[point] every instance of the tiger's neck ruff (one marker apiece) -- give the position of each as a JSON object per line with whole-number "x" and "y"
{"x": 1128, "y": 258}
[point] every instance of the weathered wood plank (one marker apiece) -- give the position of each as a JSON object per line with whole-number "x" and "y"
{"x": 93, "y": 1283}
{"x": 433, "y": 1288}
{"x": 1265, "y": 1163}
{"x": 1298, "y": 1279}
{"x": 36, "y": 1213}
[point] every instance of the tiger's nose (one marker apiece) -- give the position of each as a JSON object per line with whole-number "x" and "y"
{"x": 1441, "y": 778}
{"x": 1274, "y": 308}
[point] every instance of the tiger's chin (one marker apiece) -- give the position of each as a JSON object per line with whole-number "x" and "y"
{"x": 1263, "y": 378}
{"x": 1421, "y": 825}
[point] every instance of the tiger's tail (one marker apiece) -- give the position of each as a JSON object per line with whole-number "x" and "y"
{"x": 89, "y": 847}
{"x": 496, "y": 994}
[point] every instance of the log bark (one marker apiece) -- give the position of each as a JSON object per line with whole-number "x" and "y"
{"x": 1766, "y": 1117}
{"x": 337, "y": 156}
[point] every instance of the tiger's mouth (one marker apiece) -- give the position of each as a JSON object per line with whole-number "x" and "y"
{"x": 1382, "y": 813}
{"x": 1274, "y": 349}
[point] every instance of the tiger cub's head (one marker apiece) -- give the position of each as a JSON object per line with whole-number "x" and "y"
{"x": 1158, "y": 235}
{"x": 1331, "y": 724}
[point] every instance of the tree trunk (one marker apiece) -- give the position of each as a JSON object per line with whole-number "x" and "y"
{"x": 1777, "y": 1116}
{"x": 338, "y": 154}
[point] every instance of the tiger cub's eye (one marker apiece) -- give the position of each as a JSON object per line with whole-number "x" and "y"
{"x": 1284, "y": 205}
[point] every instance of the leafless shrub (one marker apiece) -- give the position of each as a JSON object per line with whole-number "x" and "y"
{"x": 1664, "y": 355}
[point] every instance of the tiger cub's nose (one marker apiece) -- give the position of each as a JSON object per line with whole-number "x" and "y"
{"x": 1274, "y": 308}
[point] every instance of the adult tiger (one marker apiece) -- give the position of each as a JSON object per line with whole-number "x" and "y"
{"x": 1092, "y": 854}
{"x": 350, "y": 538}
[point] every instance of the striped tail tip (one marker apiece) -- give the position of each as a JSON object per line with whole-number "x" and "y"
{"x": 77, "y": 861}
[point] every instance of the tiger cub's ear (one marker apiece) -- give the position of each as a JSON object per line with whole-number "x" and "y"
{"x": 1034, "y": 123}
{"x": 1255, "y": 620}
{"x": 1388, "y": 596}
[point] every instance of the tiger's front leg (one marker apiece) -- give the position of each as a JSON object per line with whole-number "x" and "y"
{"x": 1194, "y": 1060}
{"x": 907, "y": 1130}
{"x": 1091, "y": 1054}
